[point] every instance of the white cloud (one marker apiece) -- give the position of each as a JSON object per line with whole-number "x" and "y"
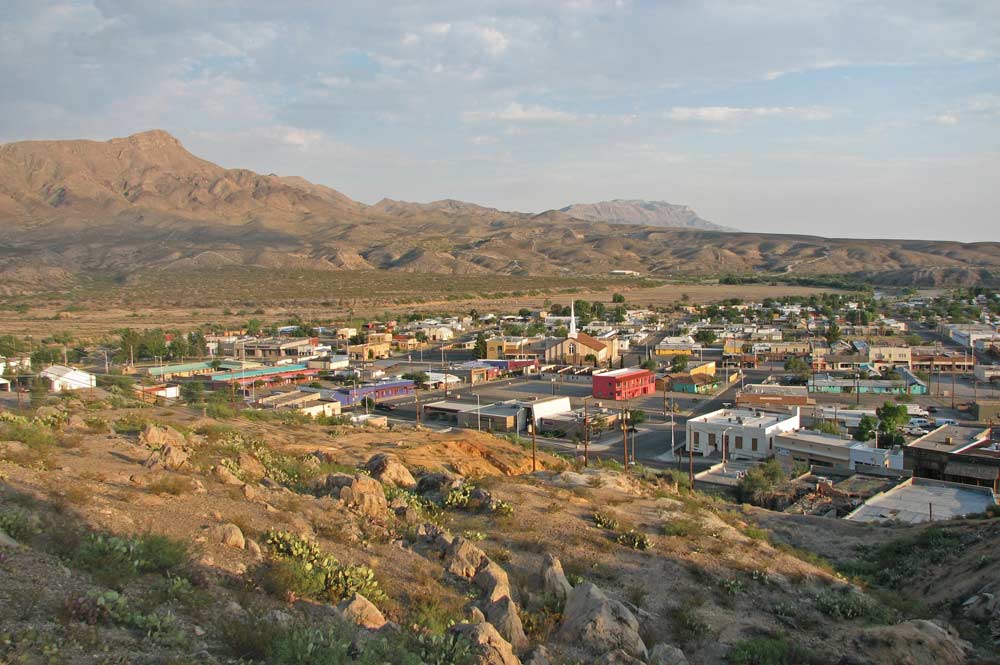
{"x": 493, "y": 41}
{"x": 724, "y": 114}
{"x": 517, "y": 112}
{"x": 410, "y": 39}
{"x": 946, "y": 119}
{"x": 438, "y": 29}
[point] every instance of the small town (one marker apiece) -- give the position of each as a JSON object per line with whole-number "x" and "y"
{"x": 876, "y": 408}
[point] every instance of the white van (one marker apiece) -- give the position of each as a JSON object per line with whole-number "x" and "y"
{"x": 920, "y": 422}
{"x": 945, "y": 421}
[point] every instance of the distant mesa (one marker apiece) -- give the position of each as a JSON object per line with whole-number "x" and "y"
{"x": 645, "y": 213}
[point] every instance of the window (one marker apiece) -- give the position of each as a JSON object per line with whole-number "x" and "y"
{"x": 753, "y": 444}
{"x": 697, "y": 438}
{"x": 739, "y": 443}
{"x": 711, "y": 439}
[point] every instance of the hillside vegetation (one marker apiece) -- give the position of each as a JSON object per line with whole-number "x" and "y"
{"x": 151, "y": 535}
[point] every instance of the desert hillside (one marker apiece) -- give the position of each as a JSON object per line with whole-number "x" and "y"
{"x": 162, "y": 536}
{"x": 124, "y": 206}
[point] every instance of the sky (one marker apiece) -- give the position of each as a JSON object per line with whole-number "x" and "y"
{"x": 843, "y": 118}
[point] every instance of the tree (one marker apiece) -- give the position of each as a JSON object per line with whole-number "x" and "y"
{"x": 891, "y": 417}
{"x": 866, "y": 428}
{"x": 481, "y": 350}
{"x": 649, "y": 364}
{"x": 419, "y": 378}
{"x": 832, "y": 333}
{"x": 193, "y": 392}
{"x": 636, "y": 416}
{"x": 679, "y": 363}
{"x": 705, "y": 336}
{"x": 591, "y": 358}
{"x": 617, "y": 297}
{"x": 561, "y": 331}
{"x": 827, "y": 427}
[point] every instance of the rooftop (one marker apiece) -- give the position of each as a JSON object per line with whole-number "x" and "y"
{"x": 913, "y": 502}
{"x": 743, "y": 417}
{"x": 811, "y": 436}
{"x": 950, "y": 438}
{"x": 628, "y": 371}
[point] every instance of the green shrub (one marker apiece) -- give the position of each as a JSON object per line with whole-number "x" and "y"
{"x": 302, "y": 567}
{"x": 173, "y": 485}
{"x": 635, "y": 539}
{"x": 769, "y": 651}
{"x": 683, "y": 527}
{"x": 849, "y": 604}
{"x": 458, "y": 497}
{"x": 897, "y": 563}
{"x": 20, "y": 524}
{"x": 114, "y": 560}
{"x": 114, "y": 608}
{"x": 605, "y": 521}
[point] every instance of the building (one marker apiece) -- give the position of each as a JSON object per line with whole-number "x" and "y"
{"x": 967, "y": 334}
{"x": 622, "y": 384}
{"x": 376, "y": 392}
{"x": 880, "y": 357}
{"x": 309, "y": 403}
{"x": 986, "y": 411}
{"x": 908, "y": 384}
{"x": 274, "y": 349}
{"x": 248, "y": 378}
{"x": 546, "y": 407}
{"x": 989, "y": 373}
{"x": 688, "y": 382}
{"x": 162, "y": 390}
{"x": 955, "y": 453}
{"x": 820, "y": 449}
{"x": 475, "y": 372}
{"x": 763, "y": 395}
{"x": 918, "y": 500}
{"x": 63, "y": 379}
{"x": 182, "y": 370}
{"x": 738, "y": 433}
{"x": 678, "y": 346}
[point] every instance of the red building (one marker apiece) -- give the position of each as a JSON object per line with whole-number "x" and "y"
{"x": 624, "y": 384}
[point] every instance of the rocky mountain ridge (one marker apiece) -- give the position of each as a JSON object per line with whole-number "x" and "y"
{"x": 144, "y": 202}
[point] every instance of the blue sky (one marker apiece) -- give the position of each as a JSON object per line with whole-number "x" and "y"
{"x": 878, "y": 118}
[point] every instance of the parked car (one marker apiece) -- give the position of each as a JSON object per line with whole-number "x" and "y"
{"x": 381, "y": 406}
{"x": 932, "y": 409}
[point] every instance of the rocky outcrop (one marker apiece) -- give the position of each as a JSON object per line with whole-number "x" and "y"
{"x": 230, "y": 535}
{"x": 617, "y": 657}
{"x": 599, "y": 624}
{"x": 366, "y": 495}
{"x": 156, "y": 436}
{"x": 251, "y": 468}
{"x": 170, "y": 457}
{"x": 362, "y": 612}
{"x": 439, "y": 482}
{"x": 225, "y": 476}
{"x": 504, "y": 616}
{"x": 492, "y": 579}
{"x": 554, "y": 582}
{"x": 917, "y": 642}
{"x": 666, "y": 654}
{"x": 462, "y": 558}
{"x": 490, "y": 647}
{"x": 388, "y": 470}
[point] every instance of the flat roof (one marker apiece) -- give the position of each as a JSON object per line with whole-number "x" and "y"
{"x": 949, "y": 438}
{"x": 264, "y": 371}
{"x": 811, "y": 436}
{"x": 750, "y": 418}
{"x": 628, "y": 371}
{"x": 913, "y": 502}
{"x": 449, "y": 405}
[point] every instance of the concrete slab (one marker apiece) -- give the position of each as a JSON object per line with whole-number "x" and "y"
{"x": 915, "y": 501}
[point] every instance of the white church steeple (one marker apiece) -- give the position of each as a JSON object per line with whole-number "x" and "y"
{"x": 572, "y": 320}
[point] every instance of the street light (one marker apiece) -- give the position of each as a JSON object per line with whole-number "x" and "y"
{"x": 478, "y": 416}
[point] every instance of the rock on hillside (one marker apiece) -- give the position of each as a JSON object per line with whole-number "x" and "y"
{"x": 646, "y": 213}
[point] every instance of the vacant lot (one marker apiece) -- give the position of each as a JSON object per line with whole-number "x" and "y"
{"x": 231, "y": 296}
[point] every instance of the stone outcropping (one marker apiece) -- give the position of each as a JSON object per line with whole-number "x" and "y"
{"x": 554, "y": 582}
{"x": 599, "y": 624}
{"x": 366, "y": 495}
{"x": 388, "y": 470}
{"x": 490, "y": 647}
{"x": 362, "y": 612}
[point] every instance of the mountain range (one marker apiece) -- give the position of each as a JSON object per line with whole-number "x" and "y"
{"x": 144, "y": 202}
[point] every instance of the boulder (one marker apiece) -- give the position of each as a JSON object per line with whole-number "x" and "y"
{"x": 595, "y": 622}
{"x": 362, "y": 612}
{"x": 156, "y": 436}
{"x": 539, "y": 656}
{"x": 254, "y": 548}
{"x": 7, "y": 541}
{"x": 490, "y": 647}
{"x": 505, "y": 618}
{"x": 554, "y": 582}
{"x": 984, "y": 606}
{"x": 366, "y": 494}
{"x": 666, "y": 654}
{"x": 492, "y": 579}
{"x": 332, "y": 483}
{"x": 251, "y": 468}
{"x": 476, "y": 615}
{"x": 916, "y": 642}
{"x": 617, "y": 657}
{"x": 231, "y": 536}
{"x": 169, "y": 457}
{"x": 12, "y": 448}
{"x": 462, "y": 558}
{"x": 44, "y": 412}
{"x": 388, "y": 470}
{"x": 225, "y": 476}
{"x": 439, "y": 481}
{"x": 76, "y": 423}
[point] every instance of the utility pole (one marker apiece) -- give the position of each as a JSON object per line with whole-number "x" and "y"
{"x": 953, "y": 385}
{"x": 690, "y": 463}
{"x": 416, "y": 400}
{"x": 625, "y": 438}
{"x": 531, "y": 428}
{"x": 586, "y": 433}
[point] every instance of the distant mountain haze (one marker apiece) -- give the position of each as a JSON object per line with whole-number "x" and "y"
{"x": 144, "y": 202}
{"x": 648, "y": 213}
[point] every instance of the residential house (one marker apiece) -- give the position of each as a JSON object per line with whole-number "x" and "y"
{"x": 738, "y": 433}
{"x": 63, "y": 379}
{"x": 623, "y": 384}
